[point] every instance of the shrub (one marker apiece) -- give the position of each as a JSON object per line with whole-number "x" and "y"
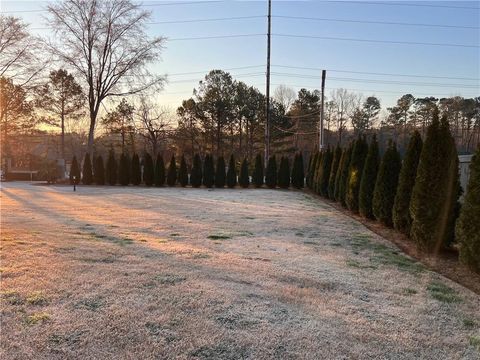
{"x": 111, "y": 171}
{"x": 298, "y": 175}
{"x": 325, "y": 172}
{"x": 243, "y": 179}
{"x": 406, "y": 180}
{"x": 183, "y": 172}
{"x": 124, "y": 170}
{"x": 220, "y": 173}
{"x": 148, "y": 175}
{"x": 136, "y": 174}
{"x": 231, "y": 173}
{"x": 208, "y": 172}
{"x": 159, "y": 171}
{"x": 87, "y": 177}
{"x": 311, "y": 169}
{"x": 468, "y": 224}
{"x": 271, "y": 173}
{"x": 196, "y": 174}
{"x": 359, "y": 153}
{"x": 284, "y": 173}
{"x": 343, "y": 180}
{"x": 172, "y": 172}
{"x": 386, "y": 185}
{"x": 369, "y": 177}
{"x": 74, "y": 175}
{"x": 318, "y": 173}
{"x": 258, "y": 172}
{"x": 99, "y": 172}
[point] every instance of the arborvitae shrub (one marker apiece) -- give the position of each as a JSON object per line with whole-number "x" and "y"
{"x": 231, "y": 173}
{"x": 220, "y": 173}
{"x": 318, "y": 173}
{"x": 406, "y": 180}
{"x": 369, "y": 177}
{"x": 343, "y": 181}
{"x": 258, "y": 172}
{"x": 172, "y": 172}
{"x": 243, "y": 179}
{"x": 271, "y": 174}
{"x": 87, "y": 176}
{"x": 111, "y": 171}
{"x": 386, "y": 185}
{"x": 99, "y": 171}
{"x": 124, "y": 170}
{"x": 284, "y": 173}
{"x": 208, "y": 172}
{"x": 159, "y": 171}
{"x": 311, "y": 169}
{"x": 183, "y": 172}
{"x": 298, "y": 176}
{"x": 337, "y": 154}
{"x": 325, "y": 172}
{"x": 338, "y": 175}
{"x": 436, "y": 186}
{"x": 196, "y": 173}
{"x": 359, "y": 153}
{"x": 148, "y": 174}
{"x": 136, "y": 174}
{"x": 468, "y": 224}
{"x": 74, "y": 171}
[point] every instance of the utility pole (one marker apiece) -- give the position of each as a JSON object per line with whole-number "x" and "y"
{"x": 321, "y": 145}
{"x": 267, "y": 120}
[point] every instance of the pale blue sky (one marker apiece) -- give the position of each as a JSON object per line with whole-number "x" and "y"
{"x": 187, "y": 56}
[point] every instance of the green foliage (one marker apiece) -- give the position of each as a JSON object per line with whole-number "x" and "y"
{"x": 244, "y": 179}
{"x": 74, "y": 175}
{"x": 337, "y": 154}
{"x": 284, "y": 173}
{"x": 196, "y": 174}
{"x": 435, "y": 193}
{"x": 231, "y": 173}
{"x": 325, "y": 172}
{"x": 369, "y": 176}
{"x": 159, "y": 171}
{"x": 338, "y": 175}
{"x": 298, "y": 175}
{"x": 355, "y": 170}
{"x": 406, "y": 180}
{"x": 318, "y": 173}
{"x": 136, "y": 174}
{"x": 257, "y": 178}
{"x": 343, "y": 179}
{"x": 311, "y": 169}
{"x": 468, "y": 224}
{"x": 183, "y": 172}
{"x": 208, "y": 172}
{"x": 99, "y": 172}
{"x": 220, "y": 173}
{"x": 148, "y": 175}
{"x": 271, "y": 174}
{"x": 87, "y": 176}
{"x": 172, "y": 172}
{"x": 111, "y": 170}
{"x": 124, "y": 170}
{"x": 386, "y": 185}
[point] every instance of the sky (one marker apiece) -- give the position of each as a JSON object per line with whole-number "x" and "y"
{"x": 376, "y": 68}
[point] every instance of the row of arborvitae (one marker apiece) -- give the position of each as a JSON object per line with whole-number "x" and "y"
{"x": 129, "y": 171}
{"x": 418, "y": 197}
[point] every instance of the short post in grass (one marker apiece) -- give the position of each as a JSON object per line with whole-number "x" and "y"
{"x": 74, "y": 183}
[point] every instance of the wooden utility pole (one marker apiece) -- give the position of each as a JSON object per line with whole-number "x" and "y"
{"x": 321, "y": 144}
{"x": 267, "y": 120}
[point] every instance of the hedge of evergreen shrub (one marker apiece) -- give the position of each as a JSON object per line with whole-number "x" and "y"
{"x": 159, "y": 171}
{"x": 298, "y": 175}
{"x": 243, "y": 179}
{"x": 284, "y": 173}
{"x": 196, "y": 174}
{"x": 271, "y": 173}
{"x": 220, "y": 173}
{"x": 148, "y": 174}
{"x": 172, "y": 172}
{"x": 337, "y": 154}
{"x": 369, "y": 176}
{"x": 99, "y": 171}
{"x": 257, "y": 178}
{"x": 231, "y": 173}
{"x": 183, "y": 172}
{"x": 74, "y": 175}
{"x": 124, "y": 170}
{"x": 325, "y": 172}
{"x": 87, "y": 176}
{"x": 208, "y": 172}
{"x": 318, "y": 173}
{"x": 111, "y": 170}
{"x": 343, "y": 181}
{"x": 311, "y": 169}
{"x": 355, "y": 170}
{"x": 136, "y": 174}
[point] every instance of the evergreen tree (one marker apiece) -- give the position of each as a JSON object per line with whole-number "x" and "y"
{"x": 183, "y": 172}
{"x": 220, "y": 173}
{"x": 369, "y": 176}
{"x": 111, "y": 171}
{"x": 87, "y": 176}
{"x": 433, "y": 202}
{"x": 271, "y": 174}
{"x": 359, "y": 153}
{"x": 258, "y": 172}
{"x": 148, "y": 174}
{"x": 172, "y": 172}
{"x": 124, "y": 170}
{"x": 468, "y": 224}
{"x": 337, "y": 154}
{"x": 136, "y": 172}
{"x": 244, "y": 179}
{"x": 343, "y": 180}
{"x": 311, "y": 169}
{"x": 231, "y": 173}
{"x": 159, "y": 171}
{"x": 284, "y": 173}
{"x": 325, "y": 172}
{"x": 386, "y": 185}
{"x": 99, "y": 171}
{"x": 74, "y": 172}
{"x": 196, "y": 174}
{"x": 406, "y": 180}
{"x": 318, "y": 173}
{"x": 208, "y": 172}
{"x": 298, "y": 176}
{"x": 338, "y": 175}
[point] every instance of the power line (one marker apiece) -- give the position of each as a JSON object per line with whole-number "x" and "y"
{"x": 216, "y": 37}
{"x": 208, "y": 20}
{"x": 405, "y": 4}
{"x": 207, "y": 71}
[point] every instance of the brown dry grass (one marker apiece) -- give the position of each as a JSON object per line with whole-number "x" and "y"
{"x": 136, "y": 273}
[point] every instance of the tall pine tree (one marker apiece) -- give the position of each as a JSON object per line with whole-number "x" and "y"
{"x": 111, "y": 170}
{"x": 231, "y": 173}
{"x": 196, "y": 174}
{"x": 369, "y": 176}
{"x": 220, "y": 172}
{"x": 159, "y": 171}
{"x": 258, "y": 172}
{"x": 183, "y": 172}
{"x": 87, "y": 176}
{"x": 359, "y": 153}
{"x": 148, "y": 174}
{"x": 208, "y": 172}
{"x": 136, "y": 172}
{"x": 172, "y": 172}
{"x": 271, "y": 173}
{"x": 337, "y": 154}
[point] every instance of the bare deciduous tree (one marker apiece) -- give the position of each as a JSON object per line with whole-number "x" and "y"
{"x": 285, "y": 95}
